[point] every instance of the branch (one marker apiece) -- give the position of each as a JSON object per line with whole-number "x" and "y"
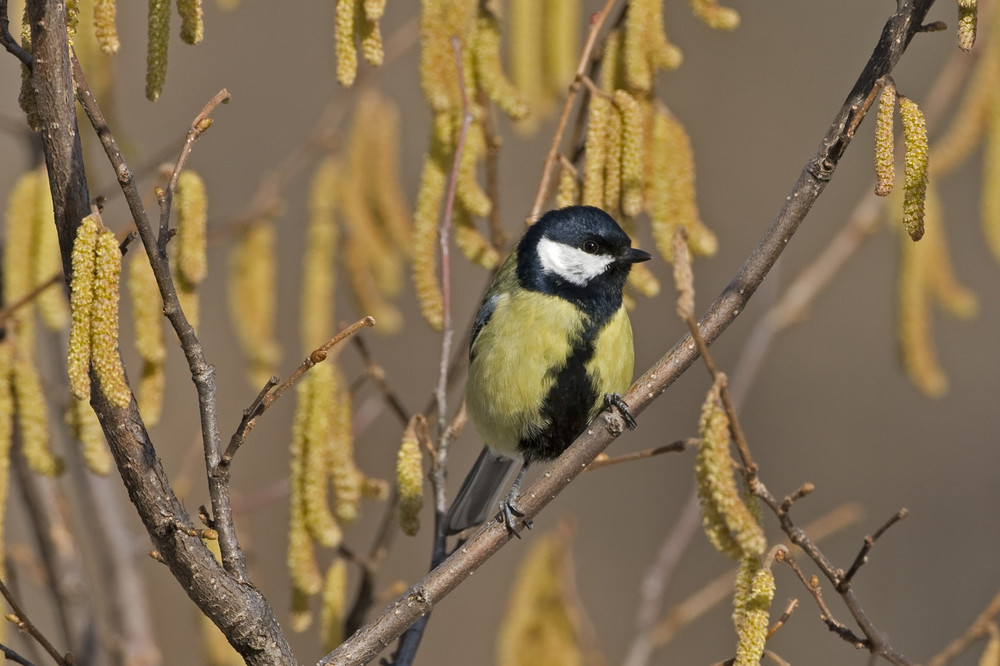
{"x": 239, "y": 610}
{"x": 25, "y": 625}
{"x": 419, "y": 599}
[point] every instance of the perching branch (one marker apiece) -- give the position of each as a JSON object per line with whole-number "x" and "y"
{"x": 420, "y": 598}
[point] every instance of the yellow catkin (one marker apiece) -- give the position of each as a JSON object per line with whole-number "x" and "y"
{"x": 753, "y": 634}
{"x": 741, "y": 590}
{"x": 334, "y": 610}
{"x": 636, "y": 44}
{"x": 375, "y": 488}
{"x": 990, "y": 192}
{"x": 6, "y": 438}
{"x": 489, "y": 70}
{"x": 192, "y": 22}
{"x": 150, "y": 397}
{"x": 105, "y": 28}
{"x": 346, "y": 51}
{"x": 954, "y": 297}
{"x": 683, "y": 276}
{"x": 301, "y": 557}
{"x": 596, "y": 150}
{"x": 253, "y": 299}
{"x": 147, "y": 310}
{"x": 916, "y": 340}
{"x": 105, "y": 359}
{"x": 33, "y": 418}
{"x": 371, "y": 39}
{"x": 374, "y": 9}
{"x": 301, "y": 615}
{"x": 472, "y": 243}
{"x": 192, "y": 217}
{"x": 915, "y": 188}
{"x": 85, "y": 427}
{"x": 81, "y": 306}
{"x": 158, "y": 36}
{"x": 613, "y": 161}
{"x": 19, "y": 233}
{"x": 966, "y": 127}
{"x": 439, "y": 21}
{"x": 365, "y": 288}
{"x": 561, "y": 43}
{"x": 730, "y": 526}
{"x": 410, "y": 480}
{"x": 315, "y": 394}
{"x": 318, "y": 275}
{"x": 538, "y": 627}
{"x": 525, "y": 56}
{"x": 46, "y": 258}
{"x": 385, "y": 192}
{"x": 672, "y": 200}
{"x": 568, "y": 193}
{"x": 714, "y": 15}
{"x": 632, "y": 152}
{"x": 885, "y": 171}
{"x": 467, "y": 189}
{"x": 968, "y": 17}
{"x": 425, "y": 242}
{"x": 347, "y": 479}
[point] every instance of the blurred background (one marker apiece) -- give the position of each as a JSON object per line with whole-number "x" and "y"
{"x": 830, "y": 403}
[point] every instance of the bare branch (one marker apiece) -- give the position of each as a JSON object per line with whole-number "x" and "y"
{"x": 24, "y": 624}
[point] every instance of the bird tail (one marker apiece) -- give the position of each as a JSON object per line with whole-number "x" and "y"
{"x": 480, "y": 492}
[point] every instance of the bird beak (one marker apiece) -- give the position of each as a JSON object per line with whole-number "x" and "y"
{"x": 635, "y": 255}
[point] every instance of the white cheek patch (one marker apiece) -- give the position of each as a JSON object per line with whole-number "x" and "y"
{"x": 570, "y": 263}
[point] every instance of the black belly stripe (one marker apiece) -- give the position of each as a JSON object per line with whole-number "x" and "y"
{"x": 568, "y": 405}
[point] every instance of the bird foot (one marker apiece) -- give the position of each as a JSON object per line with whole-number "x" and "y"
{"x": 615, "y": 400}
{"x": 510, "y": 513}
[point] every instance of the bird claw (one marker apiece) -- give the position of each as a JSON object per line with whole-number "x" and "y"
{"x": 615, "y": 400}
{"x": 510, "y": 513}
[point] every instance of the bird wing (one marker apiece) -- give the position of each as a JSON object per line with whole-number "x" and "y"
{"x": 480, "y": 492}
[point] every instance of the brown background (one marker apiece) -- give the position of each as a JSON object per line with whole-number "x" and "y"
{"x": 830, "y": 404}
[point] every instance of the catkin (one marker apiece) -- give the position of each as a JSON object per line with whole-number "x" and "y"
{"x": 539, "y": 626}
{"x": 885, "y": 171}
{"x": 253, "y": 299}
{"x": 147, "y": 310}
{"x": 752, "y": 635}
{"x": 632, "y": 152}
{"x": 730, "y": 526}
{"x": 46, "y": 259}
{"x": 347, "y": 55}
{"x": 915, "y": 188}
{"x": 347, "y": 479}
{"x": 158, "y": 36}
{"x": 104, "y": 25}
{"x": 990, "y": 193}
{"x": 192, "y": 217}
{"x": 301, "y": 558}
{"x": 334, "y": 609}
{"x": 471, "y": 242}
{"x": 150, "y": 398}
{"x": 19, "y": 232}
{"x": 489, "y": 70}
{"x": 410, "y": 480}
{"x": 192, "y": 23}
{"x": 569, "y": 189}
{"x": 425, "y": 242}
{"x": 714, "y": 15}
{"x": 318, "y": 275}
{"x": 596, "y": 151}
{"x": 371, "y": 39}
{"x": 316, "y": 392}
{"x": 6, "y": 439}
{"x": 33, "y": 418}
{"x": 105, "y": 359}
{"x": 561, "y": 43}
{"x": 526, "y": 32}
{"x": 81, "y": 306}
{"x": 968, "y": 18}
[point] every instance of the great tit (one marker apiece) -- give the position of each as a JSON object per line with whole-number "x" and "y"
{"x": 551, "y": 346}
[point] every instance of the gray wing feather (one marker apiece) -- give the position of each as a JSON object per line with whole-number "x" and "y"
{"x": 480, "y": 492}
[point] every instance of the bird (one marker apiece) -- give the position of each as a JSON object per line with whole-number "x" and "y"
{"x": 551, "y": 347}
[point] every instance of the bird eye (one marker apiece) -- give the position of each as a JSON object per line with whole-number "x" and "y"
{"x": 590, "y": 247}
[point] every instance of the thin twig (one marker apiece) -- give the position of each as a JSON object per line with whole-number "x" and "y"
{"x": 9, "y": 310}
{"x": 11, "y": 655}
{"x": 780, "y": 622}
{"x": 8, "y": 40}
{"x": 376, "y": 373}
{"x": 24, "y": 624}
{"x": 674, "y": 447}
{"x": 825, "y": 614}
{"x": 269, "y": 394}
{"x": 862, "y": 556}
